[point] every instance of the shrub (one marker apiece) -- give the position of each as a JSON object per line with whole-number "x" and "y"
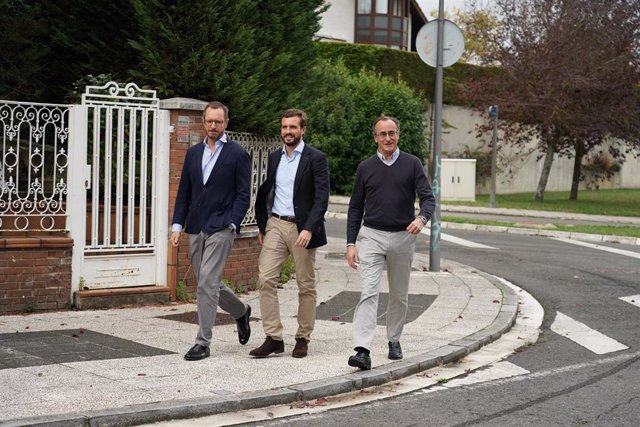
{"x": 342, "y": 114}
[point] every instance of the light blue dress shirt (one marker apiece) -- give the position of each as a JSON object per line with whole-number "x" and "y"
{"x": 285, "y": 177}
{"x": 209, "y": 160}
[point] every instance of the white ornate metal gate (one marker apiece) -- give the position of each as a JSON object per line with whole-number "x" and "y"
{"x": 33, "y": 167}
{"x": 119, "y": 197}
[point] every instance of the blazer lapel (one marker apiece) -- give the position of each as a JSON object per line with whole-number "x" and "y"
{"x": 304, "y": 161}
{"x": 221, "y": 159}
{"x": 199, "y": 161}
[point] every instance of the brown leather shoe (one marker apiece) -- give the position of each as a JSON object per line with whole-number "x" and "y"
{"x": 300, "y": 350}
{"x": 268, "y": 346}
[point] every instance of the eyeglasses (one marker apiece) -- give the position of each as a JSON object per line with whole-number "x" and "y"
{"x": 390, "y": 134}
{"x": 212, "y": 122}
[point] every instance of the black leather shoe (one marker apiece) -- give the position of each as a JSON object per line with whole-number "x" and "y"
{"x": 360, "y": 360}
{"x": 244, "y": 326}
{"x": 395, "y": 351}
{"x": 197, "y": 352}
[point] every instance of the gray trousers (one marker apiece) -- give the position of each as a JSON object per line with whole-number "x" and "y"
{"x": 376, "y": 249}
{"x": 209, "y": 253}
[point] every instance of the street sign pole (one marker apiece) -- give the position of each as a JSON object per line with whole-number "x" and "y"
{"x": 434, "y": 243}
{"x": 436, "y": 33}
{"x": 493, "y": 112}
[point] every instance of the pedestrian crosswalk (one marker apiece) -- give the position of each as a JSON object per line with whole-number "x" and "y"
{"x": 599, "y": 247}
{"x": 587, "y": 337}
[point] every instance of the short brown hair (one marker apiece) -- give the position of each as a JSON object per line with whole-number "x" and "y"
{"x": 294, "y": 112}
{"x": 215, "y": 105}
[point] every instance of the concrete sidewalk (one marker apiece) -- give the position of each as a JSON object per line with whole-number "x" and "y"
{"x": 125, "y": 366}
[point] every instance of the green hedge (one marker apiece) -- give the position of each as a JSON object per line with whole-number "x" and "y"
{"x": 404, "y": 65}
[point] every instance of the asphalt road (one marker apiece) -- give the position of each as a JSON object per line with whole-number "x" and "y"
{"x": 583, "y": 370}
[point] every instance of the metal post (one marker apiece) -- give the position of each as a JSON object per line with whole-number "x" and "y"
{"x": 434, "y": 244}
{"x": 493, "y": 112}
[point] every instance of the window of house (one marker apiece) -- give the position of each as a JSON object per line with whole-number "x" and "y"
{"x": 364, "y": 6}
{"x": 382, "y": 22}
{"x": 396, "y": 8}
{"x": 381, "y": 6}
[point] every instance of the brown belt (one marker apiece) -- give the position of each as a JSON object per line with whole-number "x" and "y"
{"x": 285, "y": 218}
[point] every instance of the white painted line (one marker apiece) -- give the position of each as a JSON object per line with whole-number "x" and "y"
{"x": 599, "y": 247}
{"x": 633, "y": 299}
{"x": 495, "y": 371}
{"x": 585, "y": 336}
{"x": 459, "y": 241}
{"x": 558, "y": 371}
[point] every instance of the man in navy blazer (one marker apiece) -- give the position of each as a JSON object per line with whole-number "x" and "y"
{"x": 212, "y": 200}
{"x": 290, "y": 207}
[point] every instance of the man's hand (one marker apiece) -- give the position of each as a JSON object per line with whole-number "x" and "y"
{"x": 261, "y": 238}
{"x": 416, "y": 226}
{"x": 175, "y": 238}
{"x": 352, "y": 257}
{"x": 303, "y": 239}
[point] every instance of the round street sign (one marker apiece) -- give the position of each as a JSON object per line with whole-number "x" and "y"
{"x": 427, "y": 43}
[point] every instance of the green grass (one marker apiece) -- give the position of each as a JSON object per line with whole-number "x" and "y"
{"x": 590, "y": 229}
{"x": 623, "y": 202}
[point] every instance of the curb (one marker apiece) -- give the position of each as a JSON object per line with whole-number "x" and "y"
{"x": 543, "y": 233}
{"x": 193, "y": 408}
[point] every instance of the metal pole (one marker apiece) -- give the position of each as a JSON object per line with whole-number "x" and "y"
{"x": 494, "y": 155}
{"x": 434, "y": 244}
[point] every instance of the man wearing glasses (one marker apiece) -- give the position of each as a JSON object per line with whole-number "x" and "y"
{"x": 382, "y": 214}
{"x": 213, "y": 198}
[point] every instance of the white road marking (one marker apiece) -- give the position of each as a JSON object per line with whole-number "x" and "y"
{"x": 458, "y": 240}
{"x": 557, "y": 371}
{"x": 599, "y": 247}
{"x": 495, "y": 371}
{"x": 585, "y": 336}
{"x": 633, "y": 299}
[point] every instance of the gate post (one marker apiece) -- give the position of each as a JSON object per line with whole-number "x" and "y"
{"x": 79, "y": 179}
{"x": 162, "y": 199}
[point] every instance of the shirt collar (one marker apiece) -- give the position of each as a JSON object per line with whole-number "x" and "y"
{"x": 222, "y": 139}
{"x": 393, "y": 158}
{"x": 298, "y": 148}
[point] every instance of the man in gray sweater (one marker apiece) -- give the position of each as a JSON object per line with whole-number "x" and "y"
{"x": 382, "y": 214}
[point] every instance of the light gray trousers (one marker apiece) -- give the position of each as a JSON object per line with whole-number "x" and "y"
{"x": 209, "y": 253}
{"x": 376, "y": 249}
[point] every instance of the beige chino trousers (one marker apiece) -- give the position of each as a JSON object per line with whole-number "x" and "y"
{"x": 278, "y": 245}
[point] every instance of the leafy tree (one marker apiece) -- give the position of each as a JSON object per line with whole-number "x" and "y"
{"x": 21, "y": 56}
{"x": 570, "y": 76}
{"x": 341, "y": 116}
{"x": 256, "y": 56}
{"x": 477, "y": 25}
{"x": 45, "y": 46}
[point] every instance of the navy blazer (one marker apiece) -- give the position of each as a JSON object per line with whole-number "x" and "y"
{"x": 221, "y": 201}
{"x": 310, "y": 194}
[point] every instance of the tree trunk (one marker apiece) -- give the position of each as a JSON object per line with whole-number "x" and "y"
{"x": 577, "y": 167}
{"x": 544, "y": 175}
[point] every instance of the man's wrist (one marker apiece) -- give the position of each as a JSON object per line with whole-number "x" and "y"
{"x": 350, "y": 244}
{"x": 423, "y": 219}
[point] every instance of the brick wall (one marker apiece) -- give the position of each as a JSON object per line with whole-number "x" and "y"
{"x": 35, "y": 274}
{"x": 241, "y": 268}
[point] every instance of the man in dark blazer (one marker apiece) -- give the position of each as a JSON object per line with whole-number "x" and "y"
{"x": 290, "y": 207}
{"x": 212, "y": 200}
